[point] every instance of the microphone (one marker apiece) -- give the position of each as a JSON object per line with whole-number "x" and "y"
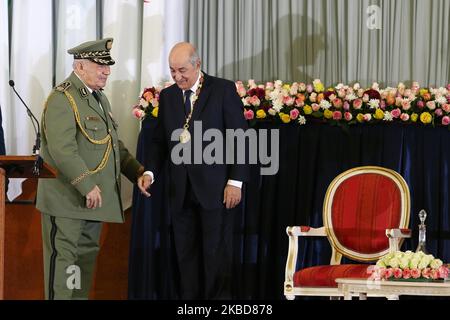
{"x": 37, "y": 145}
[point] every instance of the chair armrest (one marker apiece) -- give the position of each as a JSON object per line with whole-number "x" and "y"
{"x": 396, "y": 236}
{"x": 306, "y": 231}
{"x": 293, "y": 233}
{"x": 398, "y": 233}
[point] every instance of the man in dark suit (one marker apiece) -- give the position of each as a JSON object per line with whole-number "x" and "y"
{"x": 201, "y": 195}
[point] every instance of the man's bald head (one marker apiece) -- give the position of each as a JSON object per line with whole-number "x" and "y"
{"x": 184, "y": 64}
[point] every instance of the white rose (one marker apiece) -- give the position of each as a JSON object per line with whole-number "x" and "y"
{"x": 436, "y": 263}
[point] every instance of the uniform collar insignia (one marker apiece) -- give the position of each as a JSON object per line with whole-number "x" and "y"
{"x": 84, "y": 92}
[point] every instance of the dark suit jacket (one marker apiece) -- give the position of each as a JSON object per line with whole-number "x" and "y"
{"x": 219, "y": 107}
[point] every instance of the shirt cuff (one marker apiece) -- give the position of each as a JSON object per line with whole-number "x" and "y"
{"x": 235, "y": 183}
{"x": 149, "y": 173}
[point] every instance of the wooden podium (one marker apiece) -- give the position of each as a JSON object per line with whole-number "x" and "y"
{"x": 15, "y": 167}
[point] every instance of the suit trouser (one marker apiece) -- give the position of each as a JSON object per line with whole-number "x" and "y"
{"x": 70, "y": 252}
{"x": 203, "y": 242}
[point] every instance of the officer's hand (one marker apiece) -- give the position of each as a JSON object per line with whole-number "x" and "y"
{"x": 231, "y": 196}
{"x": 144, "y": 183}
{"x": 94, "y": 198}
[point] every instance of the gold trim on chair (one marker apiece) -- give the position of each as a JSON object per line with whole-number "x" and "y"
{"x": 404, "y": 218}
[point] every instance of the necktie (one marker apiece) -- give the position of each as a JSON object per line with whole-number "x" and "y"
{"x": 187, "y": 102}
{"x": 96, "y": 96}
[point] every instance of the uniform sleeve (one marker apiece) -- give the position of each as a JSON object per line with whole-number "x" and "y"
{"x": 129, "y": 166}
{"x": 60, "y": 133}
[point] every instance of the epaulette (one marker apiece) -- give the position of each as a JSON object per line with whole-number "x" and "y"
{"x": 63, "y": 86}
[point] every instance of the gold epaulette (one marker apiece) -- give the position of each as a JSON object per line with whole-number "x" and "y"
{"x": 63, "y": 86}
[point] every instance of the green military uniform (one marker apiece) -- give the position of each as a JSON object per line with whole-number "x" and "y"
{"x": 79, "y": 139}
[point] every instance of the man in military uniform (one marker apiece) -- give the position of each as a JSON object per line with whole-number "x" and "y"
{"x": 79, "y": 139}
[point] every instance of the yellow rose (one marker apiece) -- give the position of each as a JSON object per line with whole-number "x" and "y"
{"x": 260, "y": 114}
{"x": 414, "y": 117}
{"x": 379, "y": 114}
{"x": 307, "y": 109}
{"x": 426, "y": 117}
{"x": 328, "y": 114}
{"x": 360, "y": 117}
{"x": 155, "y": 112}
{"x": 285, "y": 117}
{"x": 422, "y": 92}
{"x": 287, "y": 87}
{"x": 319, "y": 87}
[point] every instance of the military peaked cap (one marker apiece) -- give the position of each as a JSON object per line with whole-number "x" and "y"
{"x": 97, "y": 51}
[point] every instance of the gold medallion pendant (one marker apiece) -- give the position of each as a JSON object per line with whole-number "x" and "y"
{"x": 185, "y": 136}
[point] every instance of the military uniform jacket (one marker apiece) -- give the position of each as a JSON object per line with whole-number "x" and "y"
{"x": 80, "y": 140}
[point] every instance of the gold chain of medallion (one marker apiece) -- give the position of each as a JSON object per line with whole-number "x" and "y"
{"x": 197, "y": 93}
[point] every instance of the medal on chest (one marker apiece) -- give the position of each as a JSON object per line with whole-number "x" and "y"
{"x": 185, "y": 135}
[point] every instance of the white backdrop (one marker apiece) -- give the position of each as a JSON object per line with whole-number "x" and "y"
{"x": 142, "y": 39}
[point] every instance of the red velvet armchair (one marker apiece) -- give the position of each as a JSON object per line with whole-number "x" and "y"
{"x": 365, "y": 216}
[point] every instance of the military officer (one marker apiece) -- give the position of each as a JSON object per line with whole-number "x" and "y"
{"x": 80, "y": 139}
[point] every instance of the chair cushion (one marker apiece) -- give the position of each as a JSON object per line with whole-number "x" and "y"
{"x": 325, "y": 276}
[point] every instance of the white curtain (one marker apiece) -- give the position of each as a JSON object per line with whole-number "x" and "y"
{"x": 76, "y": 23}
{"x": 31, "y": 70}
{"x": 4, "y": 70}
{"x": 122, "y": 21}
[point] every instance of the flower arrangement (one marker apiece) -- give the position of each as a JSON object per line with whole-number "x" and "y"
{"x": 340, "y": 105}
{"x": 344, "y": 104}
{"x": 148, "y": 104}
{"x": 408, "y": 265}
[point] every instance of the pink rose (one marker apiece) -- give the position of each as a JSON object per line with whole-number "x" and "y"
{"x": 383, "y": 105}
{"x": 438, "y": 112}
{"x": 309, "y": 88}
{"x": 357, "y": 103}
{"x": 138, "y": 113}
{"x": 337, "y": 103}
{"x": 315, "y": 107}
{"x": 249, "y": 114}
{"x": 431, "y": 105}
{"x": 289, "y": 101}
{"x": 443, "y": 272}
{"x": 406, "y": 105}
{"x": 398, "y": 273}
{"x": 254, "y": 101}
{"x": 299, "y": 102}
{"x": 415, "y": 273}
{"x": 446, "y": 107}
{"x": 406, "y": 273}
{"x": 269, "y": 85}
{"x": 337, "y": 115}
{"x": 404, "y": 117}
{"x": 426, "y": 273}
{"x": 294, "y": 114}
{"x": 389, "y": 273}
{"x": 396, "y": 113}
{"x": 242, "y": 92}
{"x": 348, "y": 116}
{"x": 434, "y": 274}
{"x": 420, "y": 104}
